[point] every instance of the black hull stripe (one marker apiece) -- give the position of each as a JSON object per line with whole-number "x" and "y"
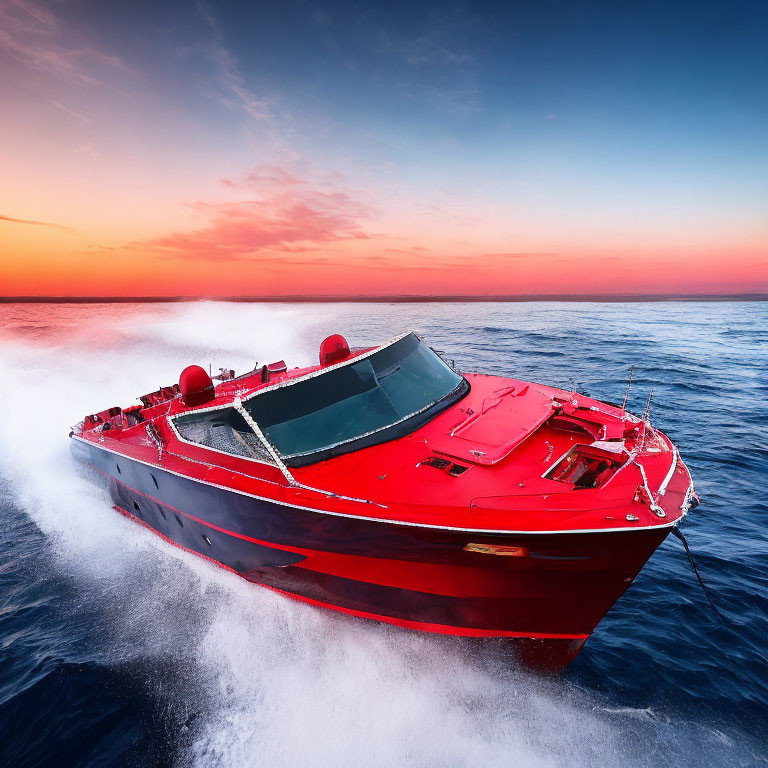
{"x": 548, "y": 595}
{"x": 278, "y": 570}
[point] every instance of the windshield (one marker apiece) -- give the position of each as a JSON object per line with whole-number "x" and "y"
{"x": 381, "y": 397}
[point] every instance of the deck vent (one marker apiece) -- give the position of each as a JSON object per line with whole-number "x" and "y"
{"x": 585, "y": 467}
{"x": 178, "y": 520}
{"x": 446, "y": 465}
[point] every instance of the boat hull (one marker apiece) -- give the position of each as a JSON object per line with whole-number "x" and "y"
{"x": 545, "y": 591}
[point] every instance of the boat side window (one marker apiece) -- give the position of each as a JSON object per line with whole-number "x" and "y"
{"x": 223, "y": 430}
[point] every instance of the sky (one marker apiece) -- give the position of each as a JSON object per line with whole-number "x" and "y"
{"x": 298, "y": 148}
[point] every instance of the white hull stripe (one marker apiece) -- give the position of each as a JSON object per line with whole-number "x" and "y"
{"x": 376, "y": 519}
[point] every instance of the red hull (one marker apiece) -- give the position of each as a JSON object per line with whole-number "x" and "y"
{"x": 498, "y": 541}
{"x": 550, "y": 594}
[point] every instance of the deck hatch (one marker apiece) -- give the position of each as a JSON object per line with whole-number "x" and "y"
{"x": 446, "y": 465}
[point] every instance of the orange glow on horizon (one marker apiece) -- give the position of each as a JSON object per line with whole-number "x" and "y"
{"x": 273, "y": 234}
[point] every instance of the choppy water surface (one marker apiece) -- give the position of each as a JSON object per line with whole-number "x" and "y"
{"x": 118, "y": 649}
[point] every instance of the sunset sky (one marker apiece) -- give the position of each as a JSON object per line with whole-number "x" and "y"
{"x": 271, "y": 148}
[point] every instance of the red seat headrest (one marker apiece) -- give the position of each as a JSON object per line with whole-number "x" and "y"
{"x": 333, "y": 349}
{"x": 195, "y": 385}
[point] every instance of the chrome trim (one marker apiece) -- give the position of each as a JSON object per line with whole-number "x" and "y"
{"x": 237, "y": 404}
{"x": 243, "y": 396}
{"x": 665, "y": 482}
{"x": 327, "y": 368}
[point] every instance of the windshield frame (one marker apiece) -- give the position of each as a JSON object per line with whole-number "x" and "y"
{"x": 381, "y": 434}
{"x": 328, "y": 368}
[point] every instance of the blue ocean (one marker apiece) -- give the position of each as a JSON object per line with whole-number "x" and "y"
{"x": 117, "y": 649}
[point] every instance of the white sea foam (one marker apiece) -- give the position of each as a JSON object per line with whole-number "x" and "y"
{"x": 271, "y": 681}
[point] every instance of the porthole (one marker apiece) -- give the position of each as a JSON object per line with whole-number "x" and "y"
{"x": 119, "y": 471}
{"x": 206, "y": 540}
{"x": 178, "y": 520}
{"x": 136, "y": 507}
{"x": 154, "y": 480}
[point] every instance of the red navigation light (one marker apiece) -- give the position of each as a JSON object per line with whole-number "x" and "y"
{"x": 333, "y": 349}
{"x": 195, "y": 385}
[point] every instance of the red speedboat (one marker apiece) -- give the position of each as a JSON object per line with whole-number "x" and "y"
{"x": 384, "y": 484}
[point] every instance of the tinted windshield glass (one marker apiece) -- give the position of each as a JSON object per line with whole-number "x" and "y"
{"x": 355, "y": 400}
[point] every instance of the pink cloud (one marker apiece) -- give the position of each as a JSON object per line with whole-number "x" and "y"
{"x": 264, "y": 177}
{"x": 291, "y": 215}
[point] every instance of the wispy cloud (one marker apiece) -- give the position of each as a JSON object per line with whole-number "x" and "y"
{"x": 87, "y": 150}
{"x": 13, "y": 220}
{"x": 230, "y": 76}
{"x": 32, "y": 35}
{"x": 449, "y": 97}
{"x": 440, "y": 68}
{"x": 265, "y": 177}
{"x": 71, "y": 112}
{"x": 429, "y": 50}
{"x": 521, "y": 255}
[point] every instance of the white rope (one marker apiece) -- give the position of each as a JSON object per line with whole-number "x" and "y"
{"x": 672, "y": 468}
{"x": 654, "y": 506}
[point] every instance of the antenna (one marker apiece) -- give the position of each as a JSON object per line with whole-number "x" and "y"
{"x": 648, "y": 406}
{"x": 629, "y": 386}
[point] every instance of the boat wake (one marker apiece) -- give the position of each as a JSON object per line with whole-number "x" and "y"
{"x": 254, "y": 678}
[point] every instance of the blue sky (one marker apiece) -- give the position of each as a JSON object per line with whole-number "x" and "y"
{"x": 591, "y": 130}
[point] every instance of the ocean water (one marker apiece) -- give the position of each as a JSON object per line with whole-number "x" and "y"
{"x": 119, "y": 649}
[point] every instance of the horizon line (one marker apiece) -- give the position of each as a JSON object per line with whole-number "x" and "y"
{"x": 391, "y": 298}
